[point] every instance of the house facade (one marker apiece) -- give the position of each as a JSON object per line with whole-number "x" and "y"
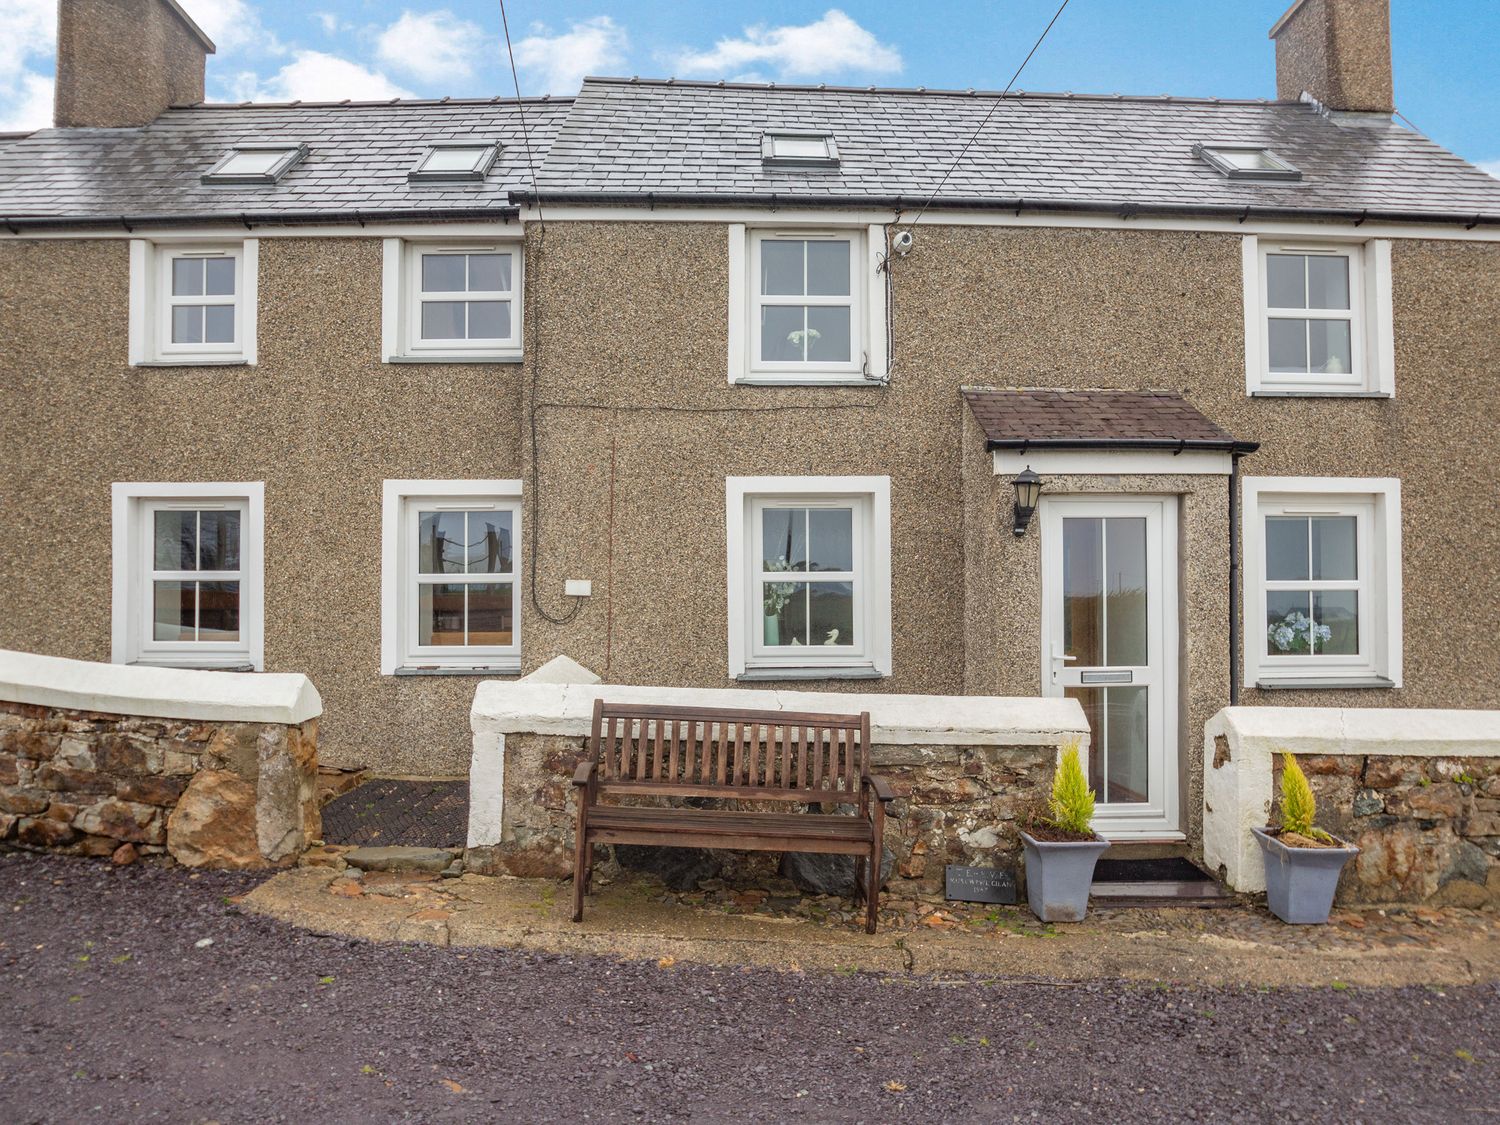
{"x": 711, "y": 384}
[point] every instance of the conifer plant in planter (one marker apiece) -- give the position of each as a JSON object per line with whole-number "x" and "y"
{"x": 1062, "y": 846}
{"x": 1302, "y": 861}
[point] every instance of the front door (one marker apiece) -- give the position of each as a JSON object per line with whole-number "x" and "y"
{"x": 1109, "y": 640}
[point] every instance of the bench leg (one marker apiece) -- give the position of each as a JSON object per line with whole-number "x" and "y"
{"x": 581, "y": 871}
{"x": 872, "y": 889}
{"x": 859, "y": 878}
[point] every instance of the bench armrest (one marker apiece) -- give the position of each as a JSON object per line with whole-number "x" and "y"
{"x": 882, "y": 788}
{"x": 584, "y": 773}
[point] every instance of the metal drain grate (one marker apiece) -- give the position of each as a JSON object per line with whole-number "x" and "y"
{"x": 424, "y": 814}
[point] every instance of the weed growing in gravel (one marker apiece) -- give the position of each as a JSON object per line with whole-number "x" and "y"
{"x": 1340, "y": 986}
{"x": 1467, "y": 1056}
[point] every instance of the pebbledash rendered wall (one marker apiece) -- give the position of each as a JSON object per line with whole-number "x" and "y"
{"x": 637, "y": 428}
{"x": 210, "y": 769}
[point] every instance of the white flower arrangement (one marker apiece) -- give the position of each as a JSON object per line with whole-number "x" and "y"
{"x": 777, "y": 594}
{"x": 1297, "y": 633}
{"x": 802, "y": 334}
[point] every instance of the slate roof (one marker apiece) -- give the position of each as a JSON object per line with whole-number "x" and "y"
{"x": 1016, "y": 419}
{"x": 358, "y": 158}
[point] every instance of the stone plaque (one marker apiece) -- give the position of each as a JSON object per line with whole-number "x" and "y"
{"x": 980, "y": 884}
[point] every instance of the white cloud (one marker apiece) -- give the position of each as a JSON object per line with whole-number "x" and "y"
{"x": 26, "y": 105}
{"x": 30, "y": 34}
{"x": 313, "y": 76}
{"x": 329, "y": 21}
{"x": 1490, "y": 166}
{"x": 832, "y": 45}
{"x": 560, "y": 62}
{"x": 431, "y": 46}
{"x": 234, "y": 26}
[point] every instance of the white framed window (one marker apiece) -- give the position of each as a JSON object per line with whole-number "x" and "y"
{"x": 1322, "y": 581}
{"x": 809, "y": 577}
{"x": 193, "y": 304}
{"x": 452, "y": 303}
{"x": 799, "y": 147}
{"x": 803, "y": 303}
{"x": 256, "y": 163}
{"x": 1318, "y": 318}
{"x": 450, "y": 576}
{"x": 453, "y": 161}
{"x": 188, "y": 574}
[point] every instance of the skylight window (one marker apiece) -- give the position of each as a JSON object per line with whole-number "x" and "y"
{"x": 1247, "y": 162}
{"x": 255, "y": 164}
{"x": 808, "y": 149}
{"x": 458, "y": 160}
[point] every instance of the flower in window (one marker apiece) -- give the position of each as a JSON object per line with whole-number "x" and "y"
{"x": 1298, "y": 633}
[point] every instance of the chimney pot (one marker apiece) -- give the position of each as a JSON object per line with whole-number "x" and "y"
{"x": 1337, "y": 51}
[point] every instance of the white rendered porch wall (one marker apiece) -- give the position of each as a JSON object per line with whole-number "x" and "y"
{"x": 533, "y": 707}
{"x": 1237, "y": 792}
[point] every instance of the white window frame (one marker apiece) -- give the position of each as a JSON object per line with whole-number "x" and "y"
{"x": 1371, "y": 332}
{"x": 1376, "y": 503}
{"x": 132, "y": 507}
{"x": 745, "y": 498}
{"x": 401, "y": 319}
{"x": 151, "y": 302}
{"x": 867, "y": 301}
{"x": 399, "y": 652}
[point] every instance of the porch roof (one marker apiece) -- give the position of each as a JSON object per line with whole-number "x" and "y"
{"x": 1030, "y": 418}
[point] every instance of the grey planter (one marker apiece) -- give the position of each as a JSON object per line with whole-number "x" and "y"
{"x": 1058, "y": 877}
{"x": 1300, "y": 882}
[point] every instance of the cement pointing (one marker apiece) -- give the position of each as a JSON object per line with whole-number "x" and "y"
{"x": 174, "y": 693}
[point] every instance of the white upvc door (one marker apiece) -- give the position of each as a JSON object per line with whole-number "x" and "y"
{"x": 1109, "y": 640}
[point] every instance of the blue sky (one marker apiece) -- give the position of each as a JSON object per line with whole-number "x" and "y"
{"x": 1446, "y": 80}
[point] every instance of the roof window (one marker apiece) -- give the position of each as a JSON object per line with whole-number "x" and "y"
{"x": 255, "y": 163}
{"x": 448, "y": 161}
{"x": 1247, "y": 162}
{"x": 795, "y": 147}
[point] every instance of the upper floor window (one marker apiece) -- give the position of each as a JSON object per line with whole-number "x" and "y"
{"x": 452, "y": 303}
{"x": 1247, "y": 162}
{"x": 255, "y": 164}
{"x": 1318, "y": 318}
{"x": 453, "y": 161}
{"x": 799, "y": 147}
{"x": 192, "y": 304}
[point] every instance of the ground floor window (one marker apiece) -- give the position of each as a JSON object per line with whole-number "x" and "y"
{"x": 187, "y": 564}
{"x": 1323, "y": 581}
{"x": 809, "y": 576}
{"x": 450, "y": 576}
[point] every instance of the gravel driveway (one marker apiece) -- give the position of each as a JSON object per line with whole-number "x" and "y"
{"x": 116, "y": 1011}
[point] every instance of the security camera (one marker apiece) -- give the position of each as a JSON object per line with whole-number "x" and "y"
{"x": 901, "y": 242}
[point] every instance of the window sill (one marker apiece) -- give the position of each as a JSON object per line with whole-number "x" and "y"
{"x": 766, "y": 675}
{"x": 1308, "y": 683}
{"x": 195, "y": 361}
{"x": 486, "y": 357}
{"x": 491, "y": 671}
{"x": 191, "y": 666}
{"x": 808, "y": 381}
{"x": 1352, "y": 393}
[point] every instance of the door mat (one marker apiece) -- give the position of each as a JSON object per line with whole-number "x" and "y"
{"x": 1174, "y": 869}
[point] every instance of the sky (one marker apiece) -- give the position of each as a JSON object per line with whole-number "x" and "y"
{"x": 1447, "y": 82}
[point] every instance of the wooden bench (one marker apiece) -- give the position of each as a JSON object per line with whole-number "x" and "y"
{"x": 644, "y": 751}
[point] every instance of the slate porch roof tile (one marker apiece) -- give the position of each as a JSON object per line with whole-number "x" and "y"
{"x": 1014, "y": 418}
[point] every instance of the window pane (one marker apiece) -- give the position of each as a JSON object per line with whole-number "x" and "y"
{"x": 1286, "y": 549}
{"x": 1327, "y": 282}
{"x": 781, "y": 267}
{"x": 1125, "y": 590}
{"x": 1337, "y": 615}
{"x": 1328, "y": 347}
{"x": 831, "y": 613}
{"x": 489, "y": 543}
{"x": 218, "y": 276}
{"x": 1333, "y": 553}
{"x": 219, "y": 541}
{"x": 443, "y": 273}
{"x": 440, "y": 614}
{"x": 805, "y": 147}
{"x": 442, "y": 320}
{"x": 1289, "y": 625}
{"x": 174, "y": 535}
{"x": 218, "y": 324}
{"x": 828, "y": 268}
{"x": 828, "y": 334}
{"x": 489, "y": 320}
{"x": 1091, "y": 699}
{"x": 172, "y": 610}
{"x": 187, "y": 324}
{"x": 1083, "y": 613}
{"x": 218, "y": 611}
{"x": 831, "y": 532}
{"x": 784, "y": 538}
{"x": 1286, "y": 281}
{"x": 454, "y": 159}
{"x": 781, "y": 333}
{"x": 253, "y": 161}
{"x": 489, "y": 273}
{"x": 1126, "y": 745}
{"x": 1288, "y": 345}
{"x": 440, "y": 542}
{"x": 187, "y": 277}
{"x": 490, "y": 621}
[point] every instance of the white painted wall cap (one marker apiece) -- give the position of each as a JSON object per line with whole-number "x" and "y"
{"x": 1364, "y": 730}
{"x": 171, "y": 693}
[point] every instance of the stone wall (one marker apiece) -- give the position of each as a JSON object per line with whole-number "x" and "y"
{"x": 1428, "y": 828}
{"x": 207, "y": 794}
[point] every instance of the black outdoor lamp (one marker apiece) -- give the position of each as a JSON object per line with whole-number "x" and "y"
{"x": 1028, "y": 489}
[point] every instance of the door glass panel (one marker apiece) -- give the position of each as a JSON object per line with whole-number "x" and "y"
{"x": 1083, "y": 609}
{"x": 1125, "y": 590}
{"x": 1091, "y": 699}
{"x": 1126, "y": 745}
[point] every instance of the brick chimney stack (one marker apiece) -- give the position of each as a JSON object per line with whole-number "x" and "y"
{"x": 1338, "y": 51}
{"x": 120, "y": 63}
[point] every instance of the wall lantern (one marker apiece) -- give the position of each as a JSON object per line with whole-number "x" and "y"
{"x": 1028, "y": 490}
